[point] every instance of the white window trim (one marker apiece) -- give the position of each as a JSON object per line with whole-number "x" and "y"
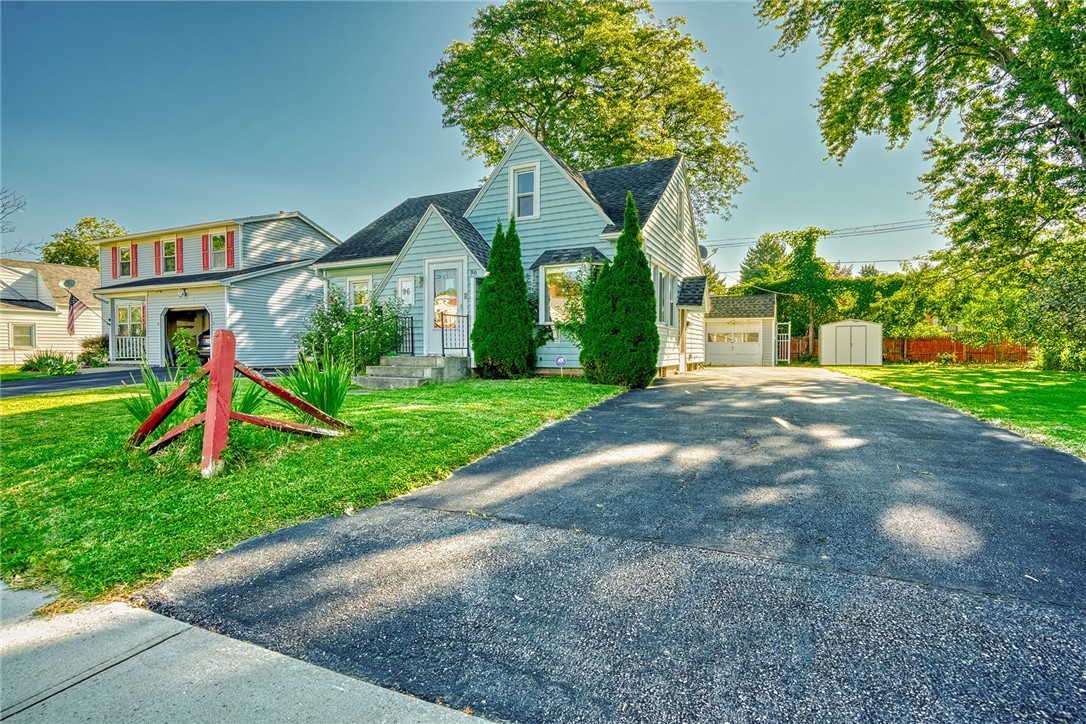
{"x": 513, "y": 171}
{"x": 351, "y": 281}
{"x": 163, "y": 257}
{"x": 543, "y": 287}
{"x": 667, "y": 293}
{"x": 33, "y": 335}
{"x": 121, "y": 250}
{"x": 129, "y": 305}
{"x": 211, "y": 248}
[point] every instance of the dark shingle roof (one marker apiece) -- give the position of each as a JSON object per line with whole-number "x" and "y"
{"x": 754, "y": 306}
{"x": 387, "y": 235}
{"x": 646, "y": 180}
{"x": 211, "y": 276}
{"x": 468, "y": 234}
{"x": 31, "y": 304}
{"x": 692, "y": 292}
{"x": 588, "y": 254}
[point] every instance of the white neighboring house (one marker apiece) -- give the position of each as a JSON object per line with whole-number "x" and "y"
{"x": 250, "y": 275}
{"x": 34, "y": 308}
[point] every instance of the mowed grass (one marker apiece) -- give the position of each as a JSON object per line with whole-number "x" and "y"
{"x": 93, "y": 520}
{"x": 1049, "y": 407}
{"x": 11, "y": 373}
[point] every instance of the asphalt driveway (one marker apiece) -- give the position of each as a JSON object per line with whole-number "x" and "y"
{"x": 733, "y": 544}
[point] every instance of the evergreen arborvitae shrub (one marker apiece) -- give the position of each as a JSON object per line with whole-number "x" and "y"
{"x": 503, "y": 339}
{"x": 621, "y": 341}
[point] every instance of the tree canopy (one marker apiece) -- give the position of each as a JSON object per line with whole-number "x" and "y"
{"x": 599, "y": 82}
{"x": 763, "y": 258}
{"x": 1008, "y": 176}
{"x": 70, "y": 245}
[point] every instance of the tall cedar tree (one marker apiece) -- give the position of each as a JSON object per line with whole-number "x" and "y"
{"x": 621, "y": 341}
{"x": 504, "y": 335}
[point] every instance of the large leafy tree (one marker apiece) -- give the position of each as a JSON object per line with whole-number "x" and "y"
{"x": 621, "y": 341}
{"x": 763, "y": 258}
{"x": 601, "y": 83}
{"x": 503, "y": 338}
{"x": 71, "y": 246}
{"x": 1008, "y": 175}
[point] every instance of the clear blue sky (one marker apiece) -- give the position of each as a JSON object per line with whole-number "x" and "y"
{"x": 161, "y": 114}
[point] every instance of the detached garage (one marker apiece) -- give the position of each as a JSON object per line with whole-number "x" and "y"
{"x": 850, "y": 342}
{"x": 741, "y": 331}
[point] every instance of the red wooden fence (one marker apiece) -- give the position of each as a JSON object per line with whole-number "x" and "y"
{"x": 929, "y": 350}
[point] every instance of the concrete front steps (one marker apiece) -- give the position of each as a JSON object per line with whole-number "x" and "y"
{"x": 397, "y": 373}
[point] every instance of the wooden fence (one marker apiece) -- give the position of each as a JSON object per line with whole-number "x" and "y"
{"x": 929, "y": 350}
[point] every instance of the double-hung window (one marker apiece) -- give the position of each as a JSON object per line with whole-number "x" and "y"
{"x": 22, "y": 335}
{"x": 666, "y": 286}
{"x": 525, "y": 196}
{"x": 169, "y": 256}
{"x": 130, "y": 320}
{"x": 218, "y": 250}
{"x": 359, "y": 292}
{"x": 124, "y": 261}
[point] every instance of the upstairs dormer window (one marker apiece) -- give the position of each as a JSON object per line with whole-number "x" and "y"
{"x": 525, "y": 196}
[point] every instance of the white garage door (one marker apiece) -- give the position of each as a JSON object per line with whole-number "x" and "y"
{"x": 733, "y": 342}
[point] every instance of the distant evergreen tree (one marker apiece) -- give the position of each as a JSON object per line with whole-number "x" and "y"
{"x": 763, "y": 260}
{"x": 869, "y": 270}
{"x": 503, "y": 338}
{"x": 621, "y": 341}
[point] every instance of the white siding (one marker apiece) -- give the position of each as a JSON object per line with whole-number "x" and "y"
{"x": 695, "y": 338}
{"x": 158, "y": 303}
{"x": 50, "y": 332}
{"x": 267, "y": 313}
{"x": 433, "y": 241}
{"x": 264, "y": 242}
{"x": 769, "y": 342}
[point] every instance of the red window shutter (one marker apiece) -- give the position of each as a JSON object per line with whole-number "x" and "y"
{"x": 135, "y": 264}
{"x": 158, "y": 257}
{"x": 229, "y": 250}
{"x": 180, "y": 255}
{"x": 206, "y": 252}
{"x": 114, "y": 261}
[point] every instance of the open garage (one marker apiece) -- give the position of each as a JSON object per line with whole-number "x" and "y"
{"x": 741, "y": 331}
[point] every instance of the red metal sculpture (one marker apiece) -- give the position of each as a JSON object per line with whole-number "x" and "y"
{"x": 216, "y": 420}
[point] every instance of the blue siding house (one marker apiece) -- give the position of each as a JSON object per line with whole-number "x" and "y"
{"x": 430, "y": 252}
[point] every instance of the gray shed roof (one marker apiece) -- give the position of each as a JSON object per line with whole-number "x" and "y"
{"x": 756, "y": 306}
{"x": 589, "y": 254}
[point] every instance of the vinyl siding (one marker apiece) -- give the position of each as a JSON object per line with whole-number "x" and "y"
{"x": 264, "y": 242}
{"x": 338, "y": 278}
{"x": 158, "y": 303}
{"x": 433, "y": 241}
{"x": 695, "y": 338}
{"x": 50, "y": 332}
{"x": 267, "y": 312}
{"x": 192, "y": 256}
{"x": 769, "y": 340}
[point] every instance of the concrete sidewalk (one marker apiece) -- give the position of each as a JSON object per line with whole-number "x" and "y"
{"x": 113, "y": 662}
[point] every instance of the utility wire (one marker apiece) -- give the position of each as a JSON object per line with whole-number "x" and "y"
{"x": 843, "y": 233}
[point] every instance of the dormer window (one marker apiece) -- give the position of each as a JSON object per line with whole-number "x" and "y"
{"x": 525, "y": 196}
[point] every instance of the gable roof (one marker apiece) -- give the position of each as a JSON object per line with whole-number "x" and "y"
{"x": 755, "y": 306}
{"x": 646, "y": 180}
{"x": 86, "y": 280}
{"x": 200, "y": 277}
{"x": 387, "y": 235}
{"x": 239, "y": 221}
{"x": 692, "y": 292}
{"x": 468, "y": 234}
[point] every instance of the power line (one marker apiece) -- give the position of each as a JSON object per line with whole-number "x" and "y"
{"x": 843, "y": 233}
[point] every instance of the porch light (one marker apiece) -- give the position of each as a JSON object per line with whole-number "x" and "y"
{"x": 182, "y": 294}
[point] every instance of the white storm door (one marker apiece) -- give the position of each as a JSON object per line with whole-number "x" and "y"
{"x": 444, "y": 301}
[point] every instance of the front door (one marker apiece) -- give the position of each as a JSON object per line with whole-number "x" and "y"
{"x": 445, "y": 307}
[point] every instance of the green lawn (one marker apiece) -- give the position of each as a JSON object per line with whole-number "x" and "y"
{"x": 10, "y": 373}
{"x": 83, "y": 515}
{"x": 1049, "y": 407}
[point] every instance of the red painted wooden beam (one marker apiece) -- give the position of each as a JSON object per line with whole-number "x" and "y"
{"x": 284, "y": 425}
{"x": 160, "y": 413}
{"x": 219, "y": 391}
{"x": 287, "y": 395}
{"x": 172, "y": 436}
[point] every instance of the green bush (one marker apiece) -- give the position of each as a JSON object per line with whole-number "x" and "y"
{"x": 504, "y": 337}
{"x": 50, "y": 363}
{"x": 351, "y": 337}
{"x": 94, "y": 351}
{"x": 621, "y": 342}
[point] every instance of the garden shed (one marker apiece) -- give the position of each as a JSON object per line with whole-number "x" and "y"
{"x": 850, "y": 342}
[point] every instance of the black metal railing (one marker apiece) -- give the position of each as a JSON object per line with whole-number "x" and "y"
{"x": 405, "y": 336}
{"x": 455, "y": 335}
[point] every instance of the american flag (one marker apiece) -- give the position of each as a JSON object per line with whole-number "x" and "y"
{"x": 75, "y": 308}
